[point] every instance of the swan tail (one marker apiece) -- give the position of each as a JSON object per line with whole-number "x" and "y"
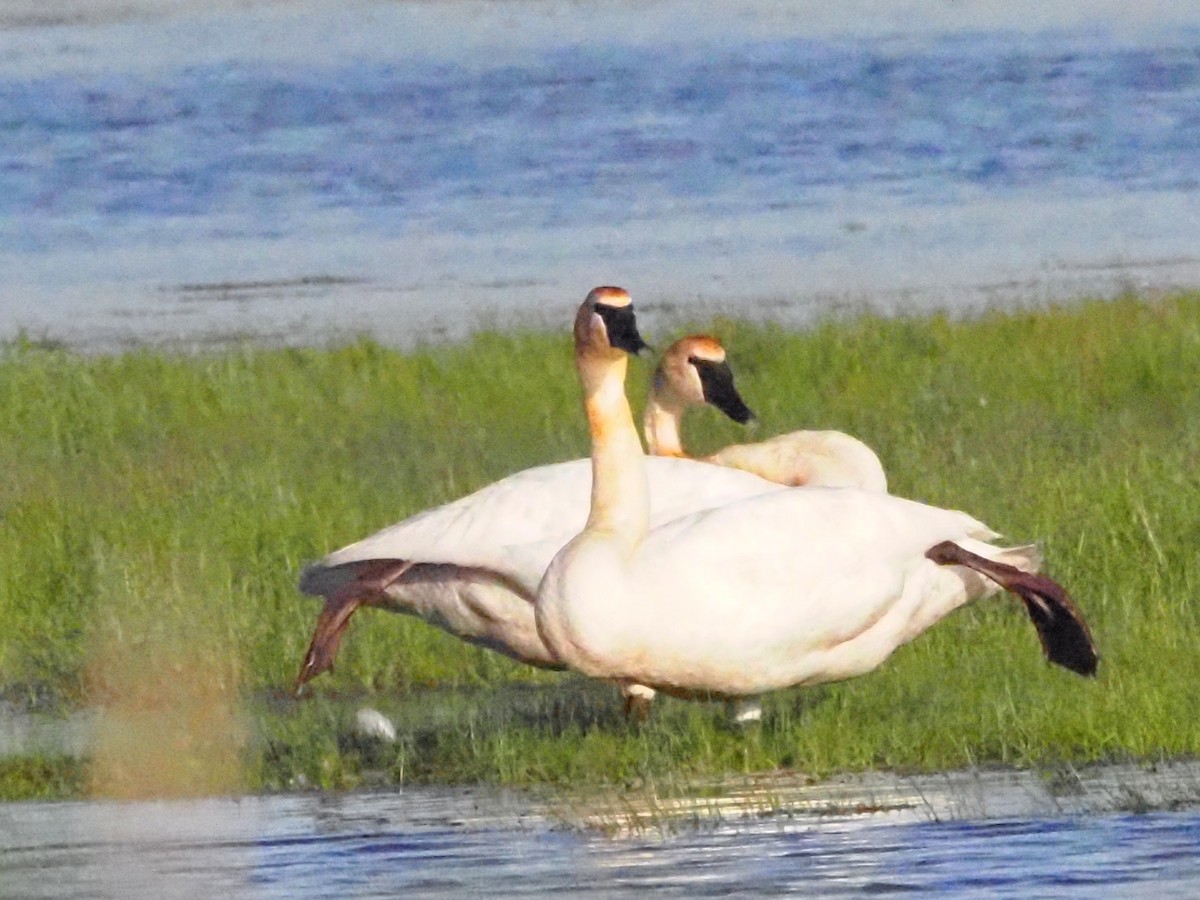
{"x": 356, "y": 586}
{"x": 1066, "y": 639}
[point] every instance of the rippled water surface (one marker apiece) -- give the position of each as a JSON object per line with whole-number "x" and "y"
{"x": 444, "y": 843}
{"x": 304, "y": 169}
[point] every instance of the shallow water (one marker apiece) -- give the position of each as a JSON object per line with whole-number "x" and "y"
{"x": 295, "y": 173}
{"x": 462, "y": 843}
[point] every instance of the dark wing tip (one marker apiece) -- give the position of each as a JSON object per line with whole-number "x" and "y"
{"x": 1064, "y": 634}
{"x": 1065, "y": 637}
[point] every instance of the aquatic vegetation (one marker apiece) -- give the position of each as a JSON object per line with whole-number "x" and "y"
{"x": 41, "y": 777}
{"x": 157, "y": 508}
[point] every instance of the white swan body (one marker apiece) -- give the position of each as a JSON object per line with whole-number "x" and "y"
{"x": 787, "y": 589}
{"x": 792, "y": 587}
{"x": 694, "y": 371}
{"x": 808, "y": 458}
{"x": 472, "y": 566}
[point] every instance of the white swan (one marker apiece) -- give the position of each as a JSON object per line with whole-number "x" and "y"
{"x": 694, "y": 371}
{"x": 791, "y": 587}
{"x": 472, "y": 567}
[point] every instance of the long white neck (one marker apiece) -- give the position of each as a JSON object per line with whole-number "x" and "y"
{"x": 620, "y": 494}
{"x": 661, "y": 424}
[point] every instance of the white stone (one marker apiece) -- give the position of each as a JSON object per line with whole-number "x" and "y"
{"x": 371, "y": 723}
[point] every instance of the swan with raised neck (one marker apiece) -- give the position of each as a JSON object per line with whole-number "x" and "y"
{"x": 472, "y": 566}
{"x": 789, "y": 588}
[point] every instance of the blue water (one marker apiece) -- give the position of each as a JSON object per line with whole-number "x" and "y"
{"x": 585, "y": 133}
{"x": 731, "y": 167}
{"x": 388, "y": 845}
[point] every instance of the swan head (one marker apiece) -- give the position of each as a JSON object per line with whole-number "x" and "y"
{"x": 605, "y": 326}
{"x": 694, "y": 371}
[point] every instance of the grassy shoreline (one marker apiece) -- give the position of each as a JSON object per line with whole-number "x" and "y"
{"x": 157, "y": 509}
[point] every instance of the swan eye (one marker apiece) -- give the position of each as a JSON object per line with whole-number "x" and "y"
{"x": 716, "y": 379}
{"x": 621, "y": 326}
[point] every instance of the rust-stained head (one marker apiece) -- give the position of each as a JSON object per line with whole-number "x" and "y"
{"x": 694, "y": 371}
{"x": 609, "y": 296}
{"x": 694, "y": 346}
{"x": 605, "y": 324}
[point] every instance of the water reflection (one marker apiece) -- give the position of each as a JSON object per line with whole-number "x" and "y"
{"x": 466, "y": 843}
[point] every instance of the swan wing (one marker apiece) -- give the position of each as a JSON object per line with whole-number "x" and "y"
{"x": 784, "y": 547}
{"x": 513, "y": 527}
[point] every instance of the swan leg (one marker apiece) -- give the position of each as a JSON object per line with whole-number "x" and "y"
{"x": 638, "y": 698}
{"x": 368, "y": 584}
{"x": 746, "y": 711}
{"x": 1065, "y": 637}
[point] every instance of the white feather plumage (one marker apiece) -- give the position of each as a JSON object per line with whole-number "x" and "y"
{"x": 791, "y": 587}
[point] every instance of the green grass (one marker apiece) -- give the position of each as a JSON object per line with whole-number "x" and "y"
{"x": 156, "y": 509}
{"x": 39, "y": 777}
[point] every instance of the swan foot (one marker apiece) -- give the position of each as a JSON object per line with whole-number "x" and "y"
{"x": 369, "y": 584}
{"x": 745, "y": 712}
{"x": 327, "y": 635}
{"x": 638, "y": 698}
{"x": 1064, "y": 634}
{"x": 637, "y": 709}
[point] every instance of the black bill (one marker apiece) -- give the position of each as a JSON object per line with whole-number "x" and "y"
{"x": 716, "y": 378}
{"x": 621, "y": 325}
